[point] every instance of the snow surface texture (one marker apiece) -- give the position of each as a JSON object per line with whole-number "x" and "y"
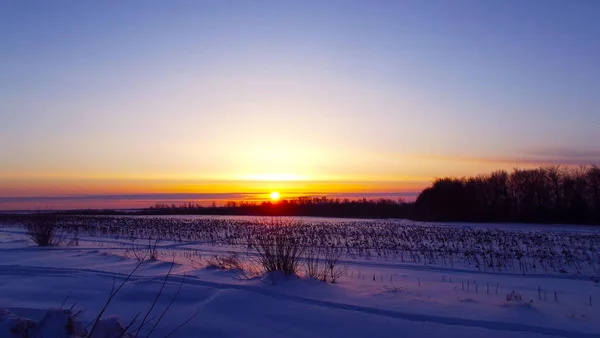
{"x": 377, "y": 297}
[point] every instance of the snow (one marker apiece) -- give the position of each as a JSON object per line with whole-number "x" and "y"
{"x": 375, "y": 297}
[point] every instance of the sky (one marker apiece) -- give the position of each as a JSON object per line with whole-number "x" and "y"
{"x": 240, "y": 98}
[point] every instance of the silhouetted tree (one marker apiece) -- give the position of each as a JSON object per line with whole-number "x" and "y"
{"x": 547, "y": 194}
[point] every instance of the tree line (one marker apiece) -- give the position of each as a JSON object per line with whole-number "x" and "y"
{"x": 550, "y": 194}
{"x": 320, "y": 206}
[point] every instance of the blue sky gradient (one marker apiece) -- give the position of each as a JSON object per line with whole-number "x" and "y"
{"x": 396, "y": 91}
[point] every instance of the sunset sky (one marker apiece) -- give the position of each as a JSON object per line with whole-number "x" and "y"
{"x": 215, "y": 100}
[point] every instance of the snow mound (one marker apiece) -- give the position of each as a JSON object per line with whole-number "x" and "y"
{"x": 12, "y": 325}
{"x": 275, "y": 277}
{"x": 56, "y": 323}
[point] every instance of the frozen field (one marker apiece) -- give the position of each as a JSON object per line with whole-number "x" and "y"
{"x": 397, "y": 278}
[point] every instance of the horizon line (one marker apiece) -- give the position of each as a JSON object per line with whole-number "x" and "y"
{"x": 204, "y": 195}
{"x": 142, "y": 201}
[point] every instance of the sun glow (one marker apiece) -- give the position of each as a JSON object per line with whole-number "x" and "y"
{"x": 275, "y": 196}
{"x": 273, "y": 177}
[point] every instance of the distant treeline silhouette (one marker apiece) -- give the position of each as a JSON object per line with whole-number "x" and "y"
{"x": 300, "y": 206}
{"x": 551, "y": 194}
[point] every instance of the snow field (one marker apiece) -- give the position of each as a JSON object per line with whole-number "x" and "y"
{"x": 382, "y": 296}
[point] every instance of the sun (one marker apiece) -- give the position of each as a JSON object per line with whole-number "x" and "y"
{"x": 275, "y": 195}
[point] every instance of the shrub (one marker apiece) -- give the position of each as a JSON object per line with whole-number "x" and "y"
{"x": 231, "y": 262}
{"x": 332, "y": 258}
{"x": 143, "y": 252}
{"x": 278, "y": 251}
{"x": 313, "y": 265}
{"x": 43, "y": 229}
{"x": 152, "y": 251}
{"x": 513, "y": 296}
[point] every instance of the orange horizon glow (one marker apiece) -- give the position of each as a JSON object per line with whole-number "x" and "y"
{"x": 76, "y": 192}
{"x": 382, "y": 174}
{"x": 61, "y": 187}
